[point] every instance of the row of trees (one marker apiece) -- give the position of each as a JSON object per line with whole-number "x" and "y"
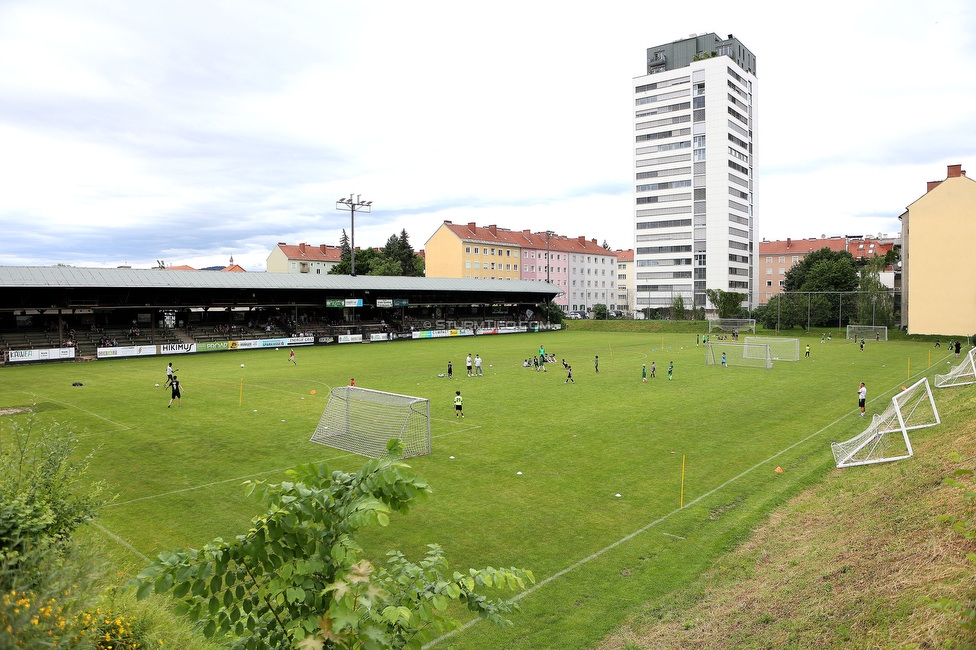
{"x": 396, "y": 258}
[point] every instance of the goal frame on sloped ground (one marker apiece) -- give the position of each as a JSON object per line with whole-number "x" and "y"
{"x": 961, "y": 375}
{"x": 910, "y": 409}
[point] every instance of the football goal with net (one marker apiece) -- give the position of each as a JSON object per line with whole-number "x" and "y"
{"x": 730, "y": 324}
{"x": 886, "y": 439}
{"x": 869, "y": 332}
{"x": 750, "y": 355}
{"x": 961, "y": 375}
{"x": 363, "y": 421}
{"x": 780, "y": 349}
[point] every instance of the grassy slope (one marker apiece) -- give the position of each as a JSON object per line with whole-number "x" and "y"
{"x": 845, "y": 564}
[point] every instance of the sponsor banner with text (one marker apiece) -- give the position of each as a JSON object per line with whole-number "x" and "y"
{"x": 126, "y": 351}
{"x": 350, "y": 338}
{"x": 46, "y": 354}
{"x": 177, "y": 348}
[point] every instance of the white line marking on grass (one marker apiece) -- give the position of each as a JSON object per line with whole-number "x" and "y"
{"x": 96, "y": 415}
{"x": 121, "y": 541}
{"x": 240, "y": 479}
{"x": 639, "y": 531}
{"x": 672, "y": 535}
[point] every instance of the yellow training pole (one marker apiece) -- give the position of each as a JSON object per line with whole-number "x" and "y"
{"x": 240, "y": 400}
{"x": 681, "y": 499}
{"x": 611, "y": 350}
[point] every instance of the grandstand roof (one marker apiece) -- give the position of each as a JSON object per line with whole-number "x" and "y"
{"x": 76, "y": 277}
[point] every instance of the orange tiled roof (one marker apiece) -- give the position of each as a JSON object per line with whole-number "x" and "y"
{"x": 796, "y": 246}
{"x": 320, "y": 253}
{"x": 525, "y": 239}
{"x": 625, "y": 256}
{"x": 234, "y": 268}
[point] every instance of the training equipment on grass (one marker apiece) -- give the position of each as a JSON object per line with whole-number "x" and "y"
{"x": 750, "y": 355}
{"x": 363, "y": 421}
{"x": 779, "y": 348}
{"x": 867, "y": 332}
{"x": 729, "y": 324}
{"x": 961, "y": 375}
{"x": 886, "y": 439}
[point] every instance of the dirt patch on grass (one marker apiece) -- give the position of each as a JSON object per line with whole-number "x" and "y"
{"x": 13, "y": 410}
{"x": 843, "y": 565}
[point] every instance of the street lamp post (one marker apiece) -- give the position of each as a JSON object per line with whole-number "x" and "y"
{"x": 548, "y": 235}
{"x": 351, "y": 206}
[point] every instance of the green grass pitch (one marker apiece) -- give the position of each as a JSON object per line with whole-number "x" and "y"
{"x": 177, "y": 472}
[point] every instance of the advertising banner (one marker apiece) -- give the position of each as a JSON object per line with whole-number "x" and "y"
{"x": 47, "y": 354}
{"x": 381, "y": 336}
{"x": 384, "y": 302}
{"x": 177, "y": 348}
{"x": 350, "y": 338}
{"x": 126, "y": 351}
{"x": 353, "y": 302}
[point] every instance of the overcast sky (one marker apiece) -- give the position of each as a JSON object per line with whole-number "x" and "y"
{"x": 190, "y": 132}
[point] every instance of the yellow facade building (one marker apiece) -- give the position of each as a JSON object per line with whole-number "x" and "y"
{"x": 472, "y": 252}
{"x": 938, "y": 267}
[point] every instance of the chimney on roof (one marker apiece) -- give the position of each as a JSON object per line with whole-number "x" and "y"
{"x": 472, "y": 226}
{"x": 931, "y": 185}
{"x": 593, "y": 240}
{"x": 789, "y": 242}
{"x": 323, "y": 247}
{"x": 281, "y": 243}
{"x": 493, "y": 229}
{"x": 526, "y": 232}
{"x": 955, "y": 171}
{"x": 301, "y": 247}
{"x": 582, "y": 239}
{"x": 447, "y": 221}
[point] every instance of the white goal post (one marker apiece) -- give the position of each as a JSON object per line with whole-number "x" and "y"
{"x": 886, "y": 439}
{"x": 868, "y": 332}
{"x": 363, "y": 421}
{"x": 729, "y": 324}
{"x": 738, "y": 354}
{"x": 780, "y": 349}
{"x": 961, "y": 375}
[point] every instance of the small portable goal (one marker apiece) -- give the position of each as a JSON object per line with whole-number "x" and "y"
{"x": 886, "y": 438}
{"x": 363, "y": 421}
{"x": 961, "y": 375}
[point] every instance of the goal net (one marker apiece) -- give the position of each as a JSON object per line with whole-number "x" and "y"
{"x": 363, "y": 421}
{"x": 750, "y": 355}
{"x": 780, "y": 349}
{"x": 961, "y": 375}
{"x": 729, "y": 324}
{"x": 886, "y": 439}
{"x": 869, "y": 332}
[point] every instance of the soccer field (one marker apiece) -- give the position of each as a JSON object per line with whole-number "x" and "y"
{"x": 178, "y": 471}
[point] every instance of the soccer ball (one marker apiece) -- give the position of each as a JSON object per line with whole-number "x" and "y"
{"x": 157, "y": 385}
{"x": 242, "y": 365}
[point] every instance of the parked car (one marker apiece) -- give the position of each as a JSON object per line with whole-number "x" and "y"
{"x": 576, "y": 315}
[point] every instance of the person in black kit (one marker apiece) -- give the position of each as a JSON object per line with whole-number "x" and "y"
{"x": 177, "y": 393}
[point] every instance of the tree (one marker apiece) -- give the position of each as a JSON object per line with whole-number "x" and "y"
{"x": 728, "y": 303}
{"x": 605, "y": 245}
{"x": 297, "y": 576}
{"x": 600, "y": 311}
{"x": 678, "y": 308}
{"x": 875, "y": 304}
{"x": 823, "y": 270}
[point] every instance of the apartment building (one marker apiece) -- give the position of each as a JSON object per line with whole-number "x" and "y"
{"x": 937, "y": 266}
{"x": 303, "y": 258}
{"x": 694, "y": 124}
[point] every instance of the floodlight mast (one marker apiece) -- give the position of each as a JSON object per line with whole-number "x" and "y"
{"x": 352, "y": 206}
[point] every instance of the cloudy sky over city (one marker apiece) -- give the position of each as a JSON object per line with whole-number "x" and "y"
{"x": 190, "y": 132}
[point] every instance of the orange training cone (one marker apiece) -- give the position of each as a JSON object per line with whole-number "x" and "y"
{"x": 779, "y": 470}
